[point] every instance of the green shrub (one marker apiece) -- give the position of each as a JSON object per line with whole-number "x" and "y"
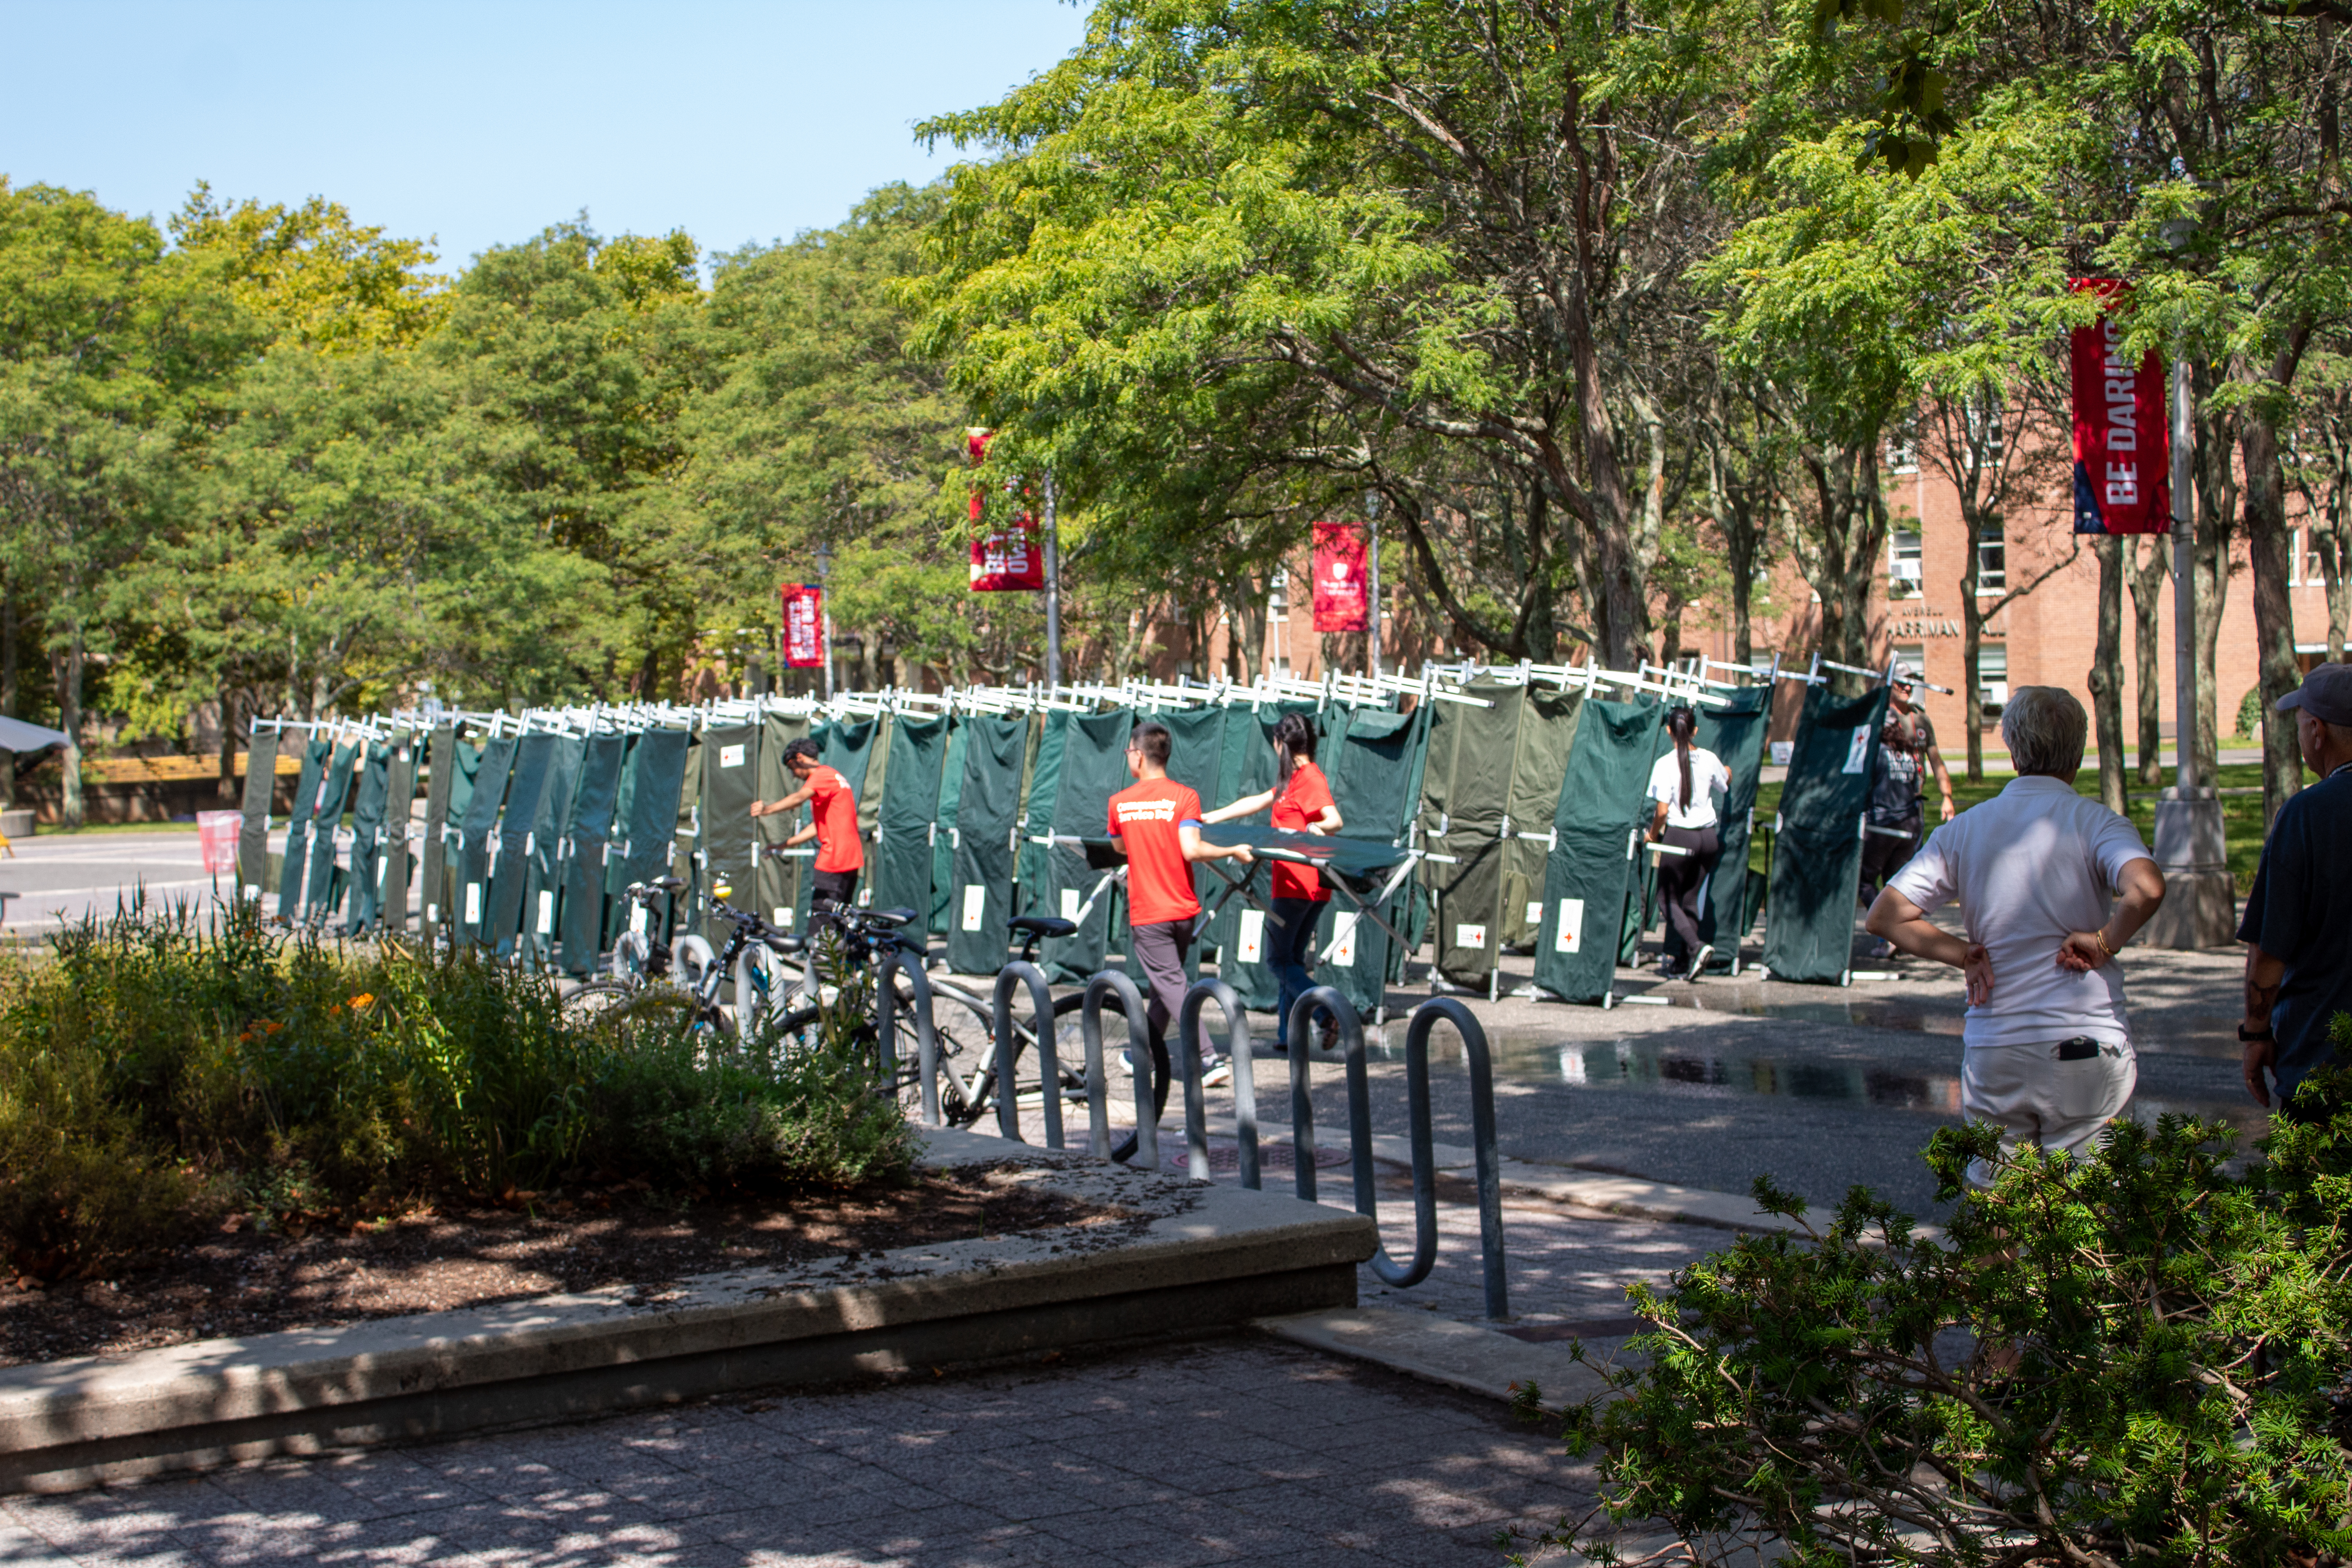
{"x": 155, "y": 1069}
{"x": 2249, "y": 714}
{"x": 2137, "y": 1358}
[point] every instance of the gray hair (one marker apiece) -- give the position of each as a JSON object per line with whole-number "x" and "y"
{"x": 2044, "y": 728}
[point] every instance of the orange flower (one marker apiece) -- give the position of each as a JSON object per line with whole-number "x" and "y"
{"x": 363, "y": 999}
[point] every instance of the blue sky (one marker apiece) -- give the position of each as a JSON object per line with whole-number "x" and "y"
{"x": 482, "y": 123}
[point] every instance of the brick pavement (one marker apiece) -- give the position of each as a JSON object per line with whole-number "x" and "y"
{"x": 1231, "y": 1451}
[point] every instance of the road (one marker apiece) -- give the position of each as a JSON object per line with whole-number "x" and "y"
{"x": 71, "y": 876}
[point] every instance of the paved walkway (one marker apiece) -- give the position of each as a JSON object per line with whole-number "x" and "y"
{"x": 1218, "y": 1452}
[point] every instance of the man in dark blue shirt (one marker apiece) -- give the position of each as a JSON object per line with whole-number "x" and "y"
{"x": 2298, "y": 924}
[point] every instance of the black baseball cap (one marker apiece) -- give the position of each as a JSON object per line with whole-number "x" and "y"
{"x": 2325, "y": 693}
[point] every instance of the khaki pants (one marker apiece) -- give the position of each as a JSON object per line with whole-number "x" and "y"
{"x": 2036, "y": 1097}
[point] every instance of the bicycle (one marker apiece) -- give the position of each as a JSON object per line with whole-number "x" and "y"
{"x": 963, "y": 1024}
{"x": 643, "y": 964}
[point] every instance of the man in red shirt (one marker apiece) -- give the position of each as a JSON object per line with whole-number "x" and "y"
{"x": 1156, "y": 822}
{"x": 833, "y": 823}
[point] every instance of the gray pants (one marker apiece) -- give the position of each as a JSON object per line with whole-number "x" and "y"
{"x": 1159, "y": 951}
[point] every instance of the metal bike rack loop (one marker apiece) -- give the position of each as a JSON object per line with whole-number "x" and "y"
{"x": 1197, "y": 997}
{"x": 1351, "y": 1032}
{"x": 1049, "y": 1069}
{"x": 927, "y": 1039}
{"x": 1106, "y": 984}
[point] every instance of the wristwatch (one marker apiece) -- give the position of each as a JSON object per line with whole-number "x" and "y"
{"x": 2247, "y": 1039}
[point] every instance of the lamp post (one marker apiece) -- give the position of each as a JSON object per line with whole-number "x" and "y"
{"x": 1372, "y": 582}
{"x": 825, "y": 598}
{"x": 1053, "y": 591}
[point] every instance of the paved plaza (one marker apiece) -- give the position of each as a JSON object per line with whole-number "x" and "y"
{"x": 1230, "y": 1451}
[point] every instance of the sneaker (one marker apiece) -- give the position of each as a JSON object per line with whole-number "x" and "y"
{"x": 1215, "y": 1071}
{"x": 1700, "y": 960}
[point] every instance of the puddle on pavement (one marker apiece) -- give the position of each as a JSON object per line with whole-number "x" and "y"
{"x": 1645, "y": 1065}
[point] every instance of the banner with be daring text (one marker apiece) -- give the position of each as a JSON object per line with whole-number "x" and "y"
{"x": 1011, "y": 559}
{"x": 2122, "y": 482}
{"x": 803, "y": 625}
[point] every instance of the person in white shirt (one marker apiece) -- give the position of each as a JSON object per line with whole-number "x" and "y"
{"x": 2051, "y": 886}
{"x": 1685, "y": 784}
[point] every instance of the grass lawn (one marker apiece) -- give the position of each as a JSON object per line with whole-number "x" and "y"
{"x": 2242, "y": 814}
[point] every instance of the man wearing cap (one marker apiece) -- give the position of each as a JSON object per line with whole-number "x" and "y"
{"x": 1907, "y": 749}
{"x": 2299, "y": 924}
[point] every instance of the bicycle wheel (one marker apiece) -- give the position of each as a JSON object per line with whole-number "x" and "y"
{"x": 967, "y": 1039}
{"x": 598, "y": 1000}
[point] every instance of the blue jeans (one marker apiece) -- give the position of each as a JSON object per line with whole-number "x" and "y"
{"x": 1289, "y": 948}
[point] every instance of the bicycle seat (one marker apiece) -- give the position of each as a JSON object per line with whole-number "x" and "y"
{"x": 1043, "y": 925}
{"x": 783, "y": 944}
{"x": 897, "y": 917}
{"x": 665, "y": 884}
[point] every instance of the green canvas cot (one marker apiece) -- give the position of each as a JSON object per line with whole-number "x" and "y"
{"x": 1596, "y": 837}
{"x": 987, "y": 816}
{"x": 477, "y": 831}
{"x": 252, "y": 829}
{"x": 730, "y": 783}
{"x": 464, "y": 771}
{"x": 1043, "y": 786}
{"x": 1817, "y": 847}
{"x": 1491, "y": 790}
{"x": 367, "y": 836}
{"x": 775, "y": 884}
{"x": 315, "y": 752}
{"x": 534, "y": 769}
{"x": 899, "y": 868}
{"x": 943, "y": 826}
{"x": 1736, "y": 732}
{"x": 654, "y": 780}
{"x": 1093, "y": 769}
{"x": 587, "y": 845}
{"x": 440, "y": 768}
{"x": 326, "y": 877}
{"x": 686, "y": 844}
{"x": 399, "y": 860}
{"x": 542, "y": 886}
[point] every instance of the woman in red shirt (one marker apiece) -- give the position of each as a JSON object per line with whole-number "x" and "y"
{"x": 1301, "y": 799}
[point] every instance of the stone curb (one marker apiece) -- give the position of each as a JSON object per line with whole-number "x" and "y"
{"x": 1461, "y": 1355}
{"x": 1197, "y": 1257}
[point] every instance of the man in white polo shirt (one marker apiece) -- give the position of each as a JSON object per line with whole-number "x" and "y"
{"x": 2051, "y": 886}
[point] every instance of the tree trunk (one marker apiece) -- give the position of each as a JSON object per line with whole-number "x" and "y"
{"x": 8, "y": 690}
{"x": 2107, "y": 676}
{"x": 2209, "y": 574}
{"x": 2151, "y": 566}
{"x": 225, "y": 788}
{"x": 69, "y": 668}
{"x": 1972, "y": 623}
{"x": 2271, "y": 543}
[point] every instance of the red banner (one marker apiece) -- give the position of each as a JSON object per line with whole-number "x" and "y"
{"x": 1342, "y": 592}
{"x": 2121, "y": 480}
{"x": 803, "y": 625}
{"x": 1006, "y": 560}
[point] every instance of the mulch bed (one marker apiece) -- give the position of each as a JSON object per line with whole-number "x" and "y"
{"x": 243, "y": 1280}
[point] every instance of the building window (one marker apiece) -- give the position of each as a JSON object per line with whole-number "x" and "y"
{"x": 1902, "y": 449}
{"x": 1903, "y": 563}
{"x": 1986, "y": 432}
{"x": 1992, "y": 560}
{"x": 1992, "y": 680}
{"x": 2305, "y": 568}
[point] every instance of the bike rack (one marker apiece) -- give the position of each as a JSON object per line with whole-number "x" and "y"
{"x": 927, "y": 1039}
{"x": 1197, "y": 996}
{"x": 1106, "y": 984}
{"x": 1351, "y": 1029}
{"x": 1049, "y": 1069}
